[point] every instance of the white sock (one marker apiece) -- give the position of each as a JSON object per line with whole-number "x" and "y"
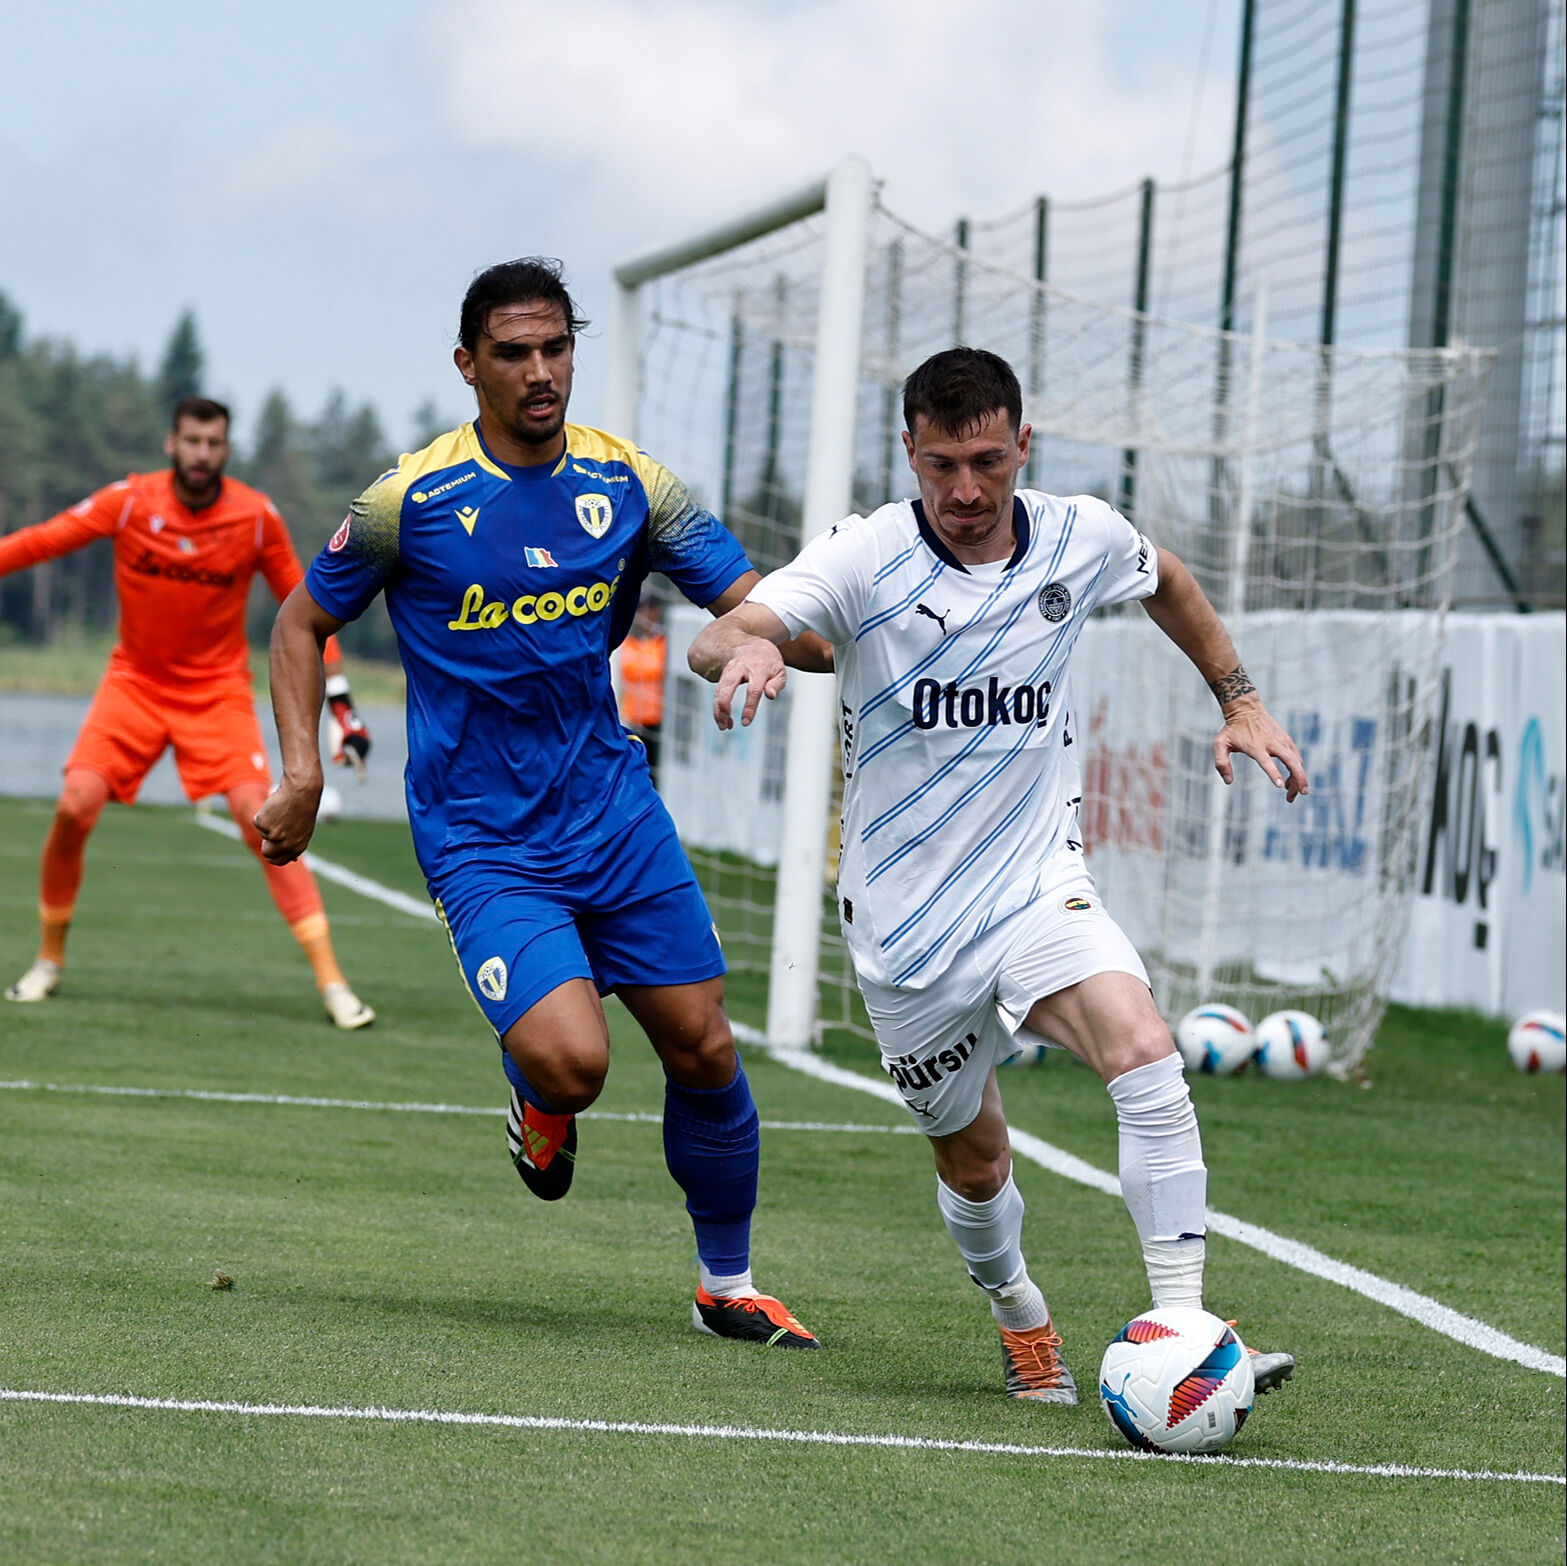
{"x": 1163, "y": 1178}
{"x": 733, "y": 1286}
{"x": 1020, "y": 1307}
{"x": 989, "y": 1238}
{"x": 1175, "y": 1271}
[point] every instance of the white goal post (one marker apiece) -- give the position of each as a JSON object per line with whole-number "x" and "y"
{"x": 1316, "y": 493}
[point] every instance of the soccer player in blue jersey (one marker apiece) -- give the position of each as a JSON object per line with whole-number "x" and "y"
{"x": 511, "y": 552}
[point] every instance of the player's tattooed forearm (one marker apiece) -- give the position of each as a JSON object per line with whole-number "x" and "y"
{"x": 1229, "y": 687}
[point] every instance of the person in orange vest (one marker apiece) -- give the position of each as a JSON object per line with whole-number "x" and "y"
{"x": 642, "y": 656}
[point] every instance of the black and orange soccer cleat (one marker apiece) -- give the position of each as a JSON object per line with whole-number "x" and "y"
{"x": 543, "y": 1148}
{"x": 752, "y": 1318}
{"x": 1034, "y": 1368}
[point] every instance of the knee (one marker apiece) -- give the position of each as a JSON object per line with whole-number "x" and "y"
{"x": 80, "y": 804}
{"x": 973, "y": 1175}
{"x": 1140, "y": 1045}
{"x": 704, "y": 1058}
{"x": 571, "y": 1079}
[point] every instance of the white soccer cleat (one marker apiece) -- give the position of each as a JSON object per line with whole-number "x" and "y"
{"x": 345, "y": 1008}
{"x": 38, "y": 983}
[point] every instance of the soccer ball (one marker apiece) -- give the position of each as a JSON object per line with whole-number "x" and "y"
{"x": 1216, "y": 1039}
{"x": 1291, "y": 1045}
{"x": 1177, "y": 1380}
{"x": 1538, "y": 1041}
{"x": 331, "y": 805}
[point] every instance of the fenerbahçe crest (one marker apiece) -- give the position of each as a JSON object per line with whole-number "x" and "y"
{"x": 492, "y": 979}
{"x": 595, "y": 513}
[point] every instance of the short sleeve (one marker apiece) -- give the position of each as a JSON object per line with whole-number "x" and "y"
{"x": 1131, "y": 568}
{"x": 826, "y": 587}
{"x": 361, "y": 556}
{"x": 686, "y": 542}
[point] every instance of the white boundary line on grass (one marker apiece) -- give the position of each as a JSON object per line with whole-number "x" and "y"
{"x": 306, "y": 1102}
{"x": 1305, "y": 1258}
{"x": 432, "y": 1416}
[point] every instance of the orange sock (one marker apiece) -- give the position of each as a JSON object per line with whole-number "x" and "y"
{"x": 295, "y": 892}
{"x": 60, "y": 869}
{"x": 315, "y": 941}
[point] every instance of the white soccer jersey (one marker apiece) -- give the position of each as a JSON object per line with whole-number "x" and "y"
{"x": 960, "y": 772}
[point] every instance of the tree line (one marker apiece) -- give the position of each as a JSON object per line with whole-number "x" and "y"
{"x": 71, "y": 423}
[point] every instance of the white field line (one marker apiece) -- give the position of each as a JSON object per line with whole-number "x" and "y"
{"x": 415, "y": 907}
{"x": 1417, "y": 1307}
{"x": 303, "y": 1101}
{"x": 432, "y": 1416}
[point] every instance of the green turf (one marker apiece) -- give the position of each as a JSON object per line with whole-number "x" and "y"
{"x": 395, "y": 1260}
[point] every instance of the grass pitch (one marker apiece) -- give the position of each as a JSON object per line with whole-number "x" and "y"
{"x": 394, "y": 1259}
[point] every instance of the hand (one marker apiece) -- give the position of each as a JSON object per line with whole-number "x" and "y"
{"x": 758, "y": 665}
{"x": 348, "y": 739}
{"x": 287, "y": 820}
{"x": 1251, "y": 729}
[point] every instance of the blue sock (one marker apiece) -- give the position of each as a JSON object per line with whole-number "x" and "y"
{"x": 527, "y": 1091}
{"x": 713, "y": 1146}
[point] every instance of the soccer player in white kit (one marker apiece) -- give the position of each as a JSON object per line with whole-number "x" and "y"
{"x": 963, "y": 892}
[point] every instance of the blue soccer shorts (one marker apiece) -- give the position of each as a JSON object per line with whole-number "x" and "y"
{"x": 627, "y": 912}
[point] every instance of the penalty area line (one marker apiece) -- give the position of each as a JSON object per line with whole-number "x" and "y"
{"x": 1293, "y": 1253}
{"x": 433, "y": 1416}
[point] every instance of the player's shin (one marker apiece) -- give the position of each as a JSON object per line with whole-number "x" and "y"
{"x": 1163, "y": 1177}
{"x": 713, "y": 1147}
{"x": 989, "y": 1238}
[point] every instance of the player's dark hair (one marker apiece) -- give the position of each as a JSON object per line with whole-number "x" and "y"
{"x": 202, "y": 409}
{"x": 524, "y": 281}
{"x": 955, "y": 390}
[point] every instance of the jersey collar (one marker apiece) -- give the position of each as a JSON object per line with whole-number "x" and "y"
{"x": 939, "y": 549}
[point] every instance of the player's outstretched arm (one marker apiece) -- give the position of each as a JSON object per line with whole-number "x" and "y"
{"x": 288, "y": 818}
{"x": 808, "y": 652}
{"x": 741, "y": 648}
{"x": 1181, "y": 610}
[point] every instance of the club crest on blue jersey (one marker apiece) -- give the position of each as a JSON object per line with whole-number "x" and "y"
{"x": 595, "y": 513}
{"x": 1055, "y": 601}
{"x": 492, "y": 979}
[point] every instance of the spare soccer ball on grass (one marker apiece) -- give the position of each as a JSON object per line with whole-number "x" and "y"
{"x": 331, "y": 805}
{"x": 1538, "y": 1042}
{"x": 1291, "y": 1045}
{"x": 1177, "y": 1380}
{"x": 1215, "y": 1039}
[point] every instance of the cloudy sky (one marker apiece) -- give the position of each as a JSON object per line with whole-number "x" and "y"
{"x": 320, "y": 180}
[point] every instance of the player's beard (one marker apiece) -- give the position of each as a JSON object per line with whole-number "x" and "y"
{"x": 204, "y": 489}
{"x": 537, "y": 432}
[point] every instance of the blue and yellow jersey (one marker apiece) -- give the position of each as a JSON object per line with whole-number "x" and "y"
{"x": 507, "y": 588}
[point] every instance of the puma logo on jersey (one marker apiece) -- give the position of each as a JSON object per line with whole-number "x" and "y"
{"x": 930, "y": 614}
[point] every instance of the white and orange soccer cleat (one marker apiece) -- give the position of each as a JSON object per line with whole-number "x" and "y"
{"x": 38, "y": 983}
{"x": 1034, "y": 1368}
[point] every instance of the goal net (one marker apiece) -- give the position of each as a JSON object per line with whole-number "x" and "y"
{"x": 1317, "y": 494}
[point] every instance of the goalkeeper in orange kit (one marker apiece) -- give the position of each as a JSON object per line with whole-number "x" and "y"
{"x": 187, "y": 543}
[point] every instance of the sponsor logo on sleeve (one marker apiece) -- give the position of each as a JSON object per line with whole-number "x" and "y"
{"x": 1055, "y": 602}
{"x": 1076, "y": 904}
{"x": 336, "y": 544}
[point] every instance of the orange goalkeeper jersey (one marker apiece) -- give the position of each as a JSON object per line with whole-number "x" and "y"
{"x": 182, "y": 576}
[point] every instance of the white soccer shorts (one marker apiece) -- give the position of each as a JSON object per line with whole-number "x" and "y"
{"x": 939, "y": 1044}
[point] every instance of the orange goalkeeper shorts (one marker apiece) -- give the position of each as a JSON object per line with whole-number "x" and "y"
{"x": 216, "y": 739}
